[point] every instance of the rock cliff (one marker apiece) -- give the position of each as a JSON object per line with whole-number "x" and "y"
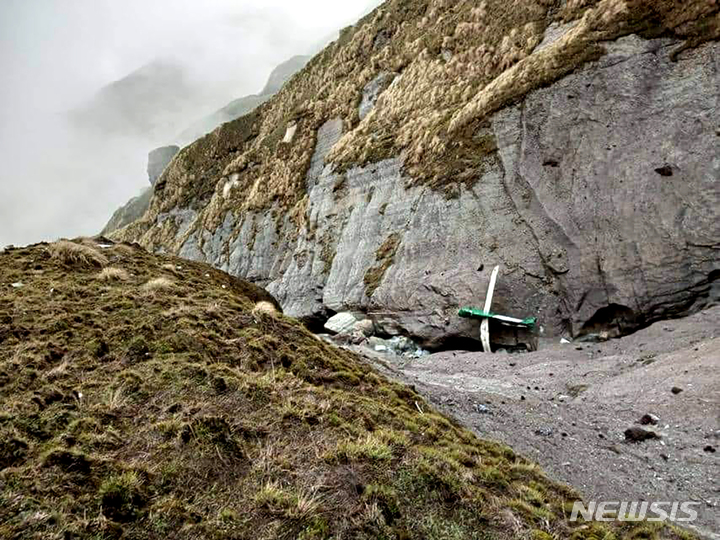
{"x": 158, "y": 160}
{"x": 135, "y": 208}
{"x": 573, "y": 143}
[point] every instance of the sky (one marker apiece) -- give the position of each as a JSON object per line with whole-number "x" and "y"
{"x": 60, "y": 181}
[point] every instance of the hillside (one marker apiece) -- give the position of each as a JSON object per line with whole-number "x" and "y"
{"x": 572, "y": 143}
{"x": 144, "y": 396}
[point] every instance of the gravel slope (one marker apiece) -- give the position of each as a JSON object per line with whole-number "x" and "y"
{"x": 568, "y": 406}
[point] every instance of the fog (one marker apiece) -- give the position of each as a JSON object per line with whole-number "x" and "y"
{"x": 60, "y": 177}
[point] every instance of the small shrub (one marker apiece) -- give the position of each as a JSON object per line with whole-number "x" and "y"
{"x": 273, "y": 498}
{"x": 122, "y": 496}
{"x": 371, "y": 448}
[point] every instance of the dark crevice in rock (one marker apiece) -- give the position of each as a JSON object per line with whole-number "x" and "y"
{"x": 315, "y": 323}
{"x": 457, "y": 343}
{"x": 611, "y": 321}
{"x": 666, "y": 171}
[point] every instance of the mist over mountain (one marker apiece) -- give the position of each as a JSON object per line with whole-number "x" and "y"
{"x": 91, "y": 87}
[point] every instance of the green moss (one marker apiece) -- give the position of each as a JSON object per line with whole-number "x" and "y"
{"x": 122, "y": 496}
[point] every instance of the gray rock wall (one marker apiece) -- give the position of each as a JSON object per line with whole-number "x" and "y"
{"x": 601, "y": 206}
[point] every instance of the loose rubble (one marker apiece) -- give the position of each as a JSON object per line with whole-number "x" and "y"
{"x": 351, "y": 329}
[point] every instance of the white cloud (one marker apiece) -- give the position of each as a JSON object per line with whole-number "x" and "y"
{"x": 56, "y": 54}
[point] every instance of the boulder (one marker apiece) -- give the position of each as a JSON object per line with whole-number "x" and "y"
{"x": 365, "y": 327}
{"x": 342, "y": 323}
{"x": 649, "y": 420}
{"x": 638, "y": 435}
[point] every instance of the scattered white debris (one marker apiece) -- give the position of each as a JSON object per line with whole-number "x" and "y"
{"x": 230, "y": 185}
{"x": 565, "y": 341}
{"x": 105, "y": 246}
{"x": 207, "y": 275}
{"x": 380, "y": 348}
{"x": 290, "y": 133}
{"x": 17, "y": 285}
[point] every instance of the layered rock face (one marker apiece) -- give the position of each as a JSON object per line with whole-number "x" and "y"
{"x": 131, "y": 211}
{"x": 160, "y": 158}
{"x": 597, "y": 194}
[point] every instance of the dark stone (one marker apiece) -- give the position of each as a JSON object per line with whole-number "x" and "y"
{"x": 649, "y": 419}
{"x": 638, "y": 435}
{"x": 676, "y": 390}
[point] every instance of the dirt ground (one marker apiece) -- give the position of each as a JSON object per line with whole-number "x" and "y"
{"x": 567, "y": 407}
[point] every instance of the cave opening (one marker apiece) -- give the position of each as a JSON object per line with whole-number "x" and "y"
{"x": 315, "y": 323}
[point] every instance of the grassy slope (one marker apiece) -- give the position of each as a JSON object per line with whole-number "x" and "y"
{"x": 147, "y": 397}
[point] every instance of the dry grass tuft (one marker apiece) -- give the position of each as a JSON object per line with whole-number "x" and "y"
{"x": 74, "y": 254}
{"x": 124, "y": 249}
{"x": 264, "y": 308}
{"x": 113, "y": 274}
{"x": 160, "y": 284}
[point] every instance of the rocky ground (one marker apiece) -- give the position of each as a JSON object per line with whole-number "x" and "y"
{"x": 567, "y": 406}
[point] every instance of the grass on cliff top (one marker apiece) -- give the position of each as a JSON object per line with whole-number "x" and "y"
{"x": 143, "y": 396}
{"x": 457, "y": 61}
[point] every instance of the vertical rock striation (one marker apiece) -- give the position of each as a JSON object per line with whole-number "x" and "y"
{"x": 597, "y": 194}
